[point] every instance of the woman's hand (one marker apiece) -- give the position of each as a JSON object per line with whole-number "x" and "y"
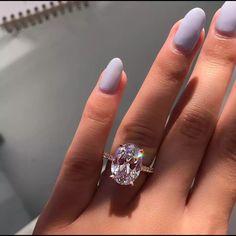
{"x": 193, "y": 187}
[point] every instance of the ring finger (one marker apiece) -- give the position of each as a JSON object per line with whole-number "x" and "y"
{"x": 145, "y": 121}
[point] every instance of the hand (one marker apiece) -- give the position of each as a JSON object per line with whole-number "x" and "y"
{"x": 194, "y": 145}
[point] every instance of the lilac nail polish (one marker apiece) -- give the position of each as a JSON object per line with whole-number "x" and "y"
{"x": 111, "y": 76}
{"x": 226, "y": 22}
{"x": 189, "y": 30}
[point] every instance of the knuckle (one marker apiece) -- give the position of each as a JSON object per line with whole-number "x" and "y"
{"x": 220, "y": 51}
{"x": 139, "y": 133}
{"x": 196, "y": 125}
{"x": 78, "y": 166}
{"x": 99, "y": 112}
{"x": 172, "y": 70}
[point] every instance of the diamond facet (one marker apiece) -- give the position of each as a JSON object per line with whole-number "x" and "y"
{"x": 127, "y": 163}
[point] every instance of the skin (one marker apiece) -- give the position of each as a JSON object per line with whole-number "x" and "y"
{"x": 197, "y": 144}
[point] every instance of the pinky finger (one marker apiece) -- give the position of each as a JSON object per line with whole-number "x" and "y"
{"x": 81, "y": 169}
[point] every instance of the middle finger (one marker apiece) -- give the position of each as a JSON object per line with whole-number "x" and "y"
{"x": 195, "y": 118}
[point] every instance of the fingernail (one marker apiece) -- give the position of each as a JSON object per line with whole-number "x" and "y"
{"x": 189, "y": 30}
{"x": 226, "y": 22}
{"x": 111, "y": 76}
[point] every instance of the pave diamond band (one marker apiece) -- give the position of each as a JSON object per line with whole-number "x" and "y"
{"x": 126, "y": 164}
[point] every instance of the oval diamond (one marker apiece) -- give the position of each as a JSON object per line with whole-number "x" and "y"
{"x": 126, "y": 164}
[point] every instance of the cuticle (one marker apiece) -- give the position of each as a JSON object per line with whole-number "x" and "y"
{"x": 224, "y": 36}
{"x": 175, "y": 50}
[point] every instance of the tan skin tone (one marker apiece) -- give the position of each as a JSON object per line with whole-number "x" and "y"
{"x": 194, "y": 145}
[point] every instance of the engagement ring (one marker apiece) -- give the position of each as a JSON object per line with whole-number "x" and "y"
{"x": 127, "y": 163}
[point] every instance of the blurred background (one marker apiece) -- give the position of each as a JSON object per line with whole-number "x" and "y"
{"x": 46, "y": 74}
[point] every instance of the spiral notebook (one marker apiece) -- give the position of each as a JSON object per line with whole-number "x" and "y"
{"x": 16, "y": 15}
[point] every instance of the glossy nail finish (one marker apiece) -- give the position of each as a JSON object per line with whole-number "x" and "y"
{"x": 189, "y": 30}
{"x": 226, "y": 22}
{"x": 111, "y": 76}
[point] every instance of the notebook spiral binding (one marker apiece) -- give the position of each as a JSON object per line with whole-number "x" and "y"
{"x": 40, "y": 14}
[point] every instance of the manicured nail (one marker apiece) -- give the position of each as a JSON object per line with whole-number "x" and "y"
{"x": 189, "y": 30}
{"x": 111, "y": 76}
{"x": 226, "y": 22}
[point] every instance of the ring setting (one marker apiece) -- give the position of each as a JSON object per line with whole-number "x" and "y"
{"x": 127, "y": 164}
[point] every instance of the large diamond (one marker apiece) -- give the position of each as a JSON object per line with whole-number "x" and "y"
{"x": 126, "y": 164}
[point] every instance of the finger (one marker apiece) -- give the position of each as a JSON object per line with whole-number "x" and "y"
{"x": 215, "y": 186}
{"x": 144, "y": 123}
{"x": 214, "y": 192}
{"x": 194, "y": 123}
{"x": 81, "y": 169}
